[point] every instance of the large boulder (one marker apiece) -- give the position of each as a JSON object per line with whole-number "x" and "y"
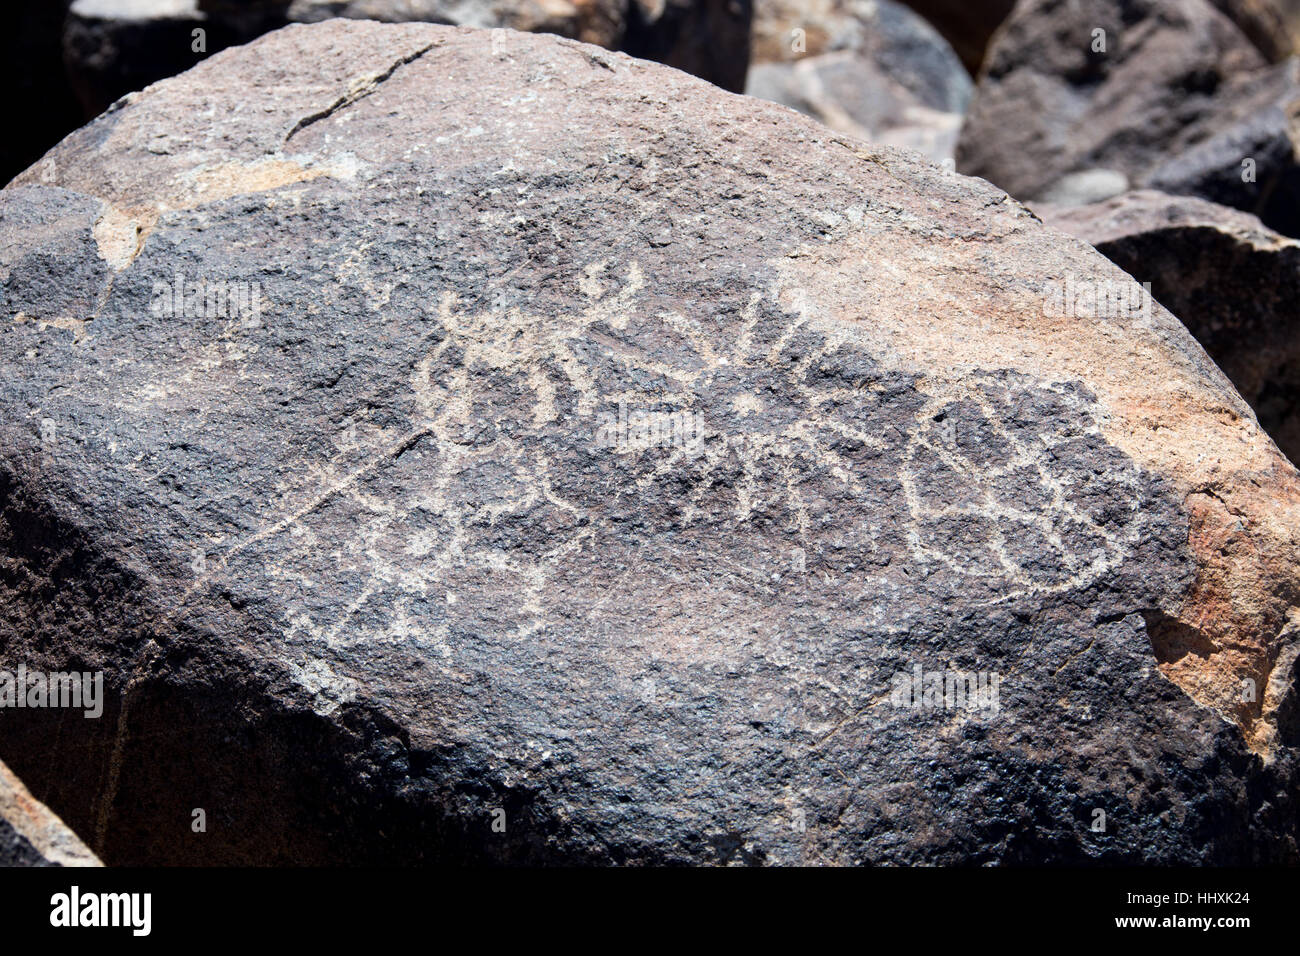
{"x": 114, "y": 47}
{"x": 870, "y": 68}
{"x": 452, "y": 450}
{"x": 1232, "y": 281}
{"x": 30, "y": 835}
{"x": 1083, "y": 99}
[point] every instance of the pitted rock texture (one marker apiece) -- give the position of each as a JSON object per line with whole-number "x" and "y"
{"x": 30, "y": 835}
{"x": 604, "y": 448}
{"x": 1231, "y": 280}
{"x": 1167, "y": 94}
{"x": 115, "y": 47}
{"x": 870, "y": 68}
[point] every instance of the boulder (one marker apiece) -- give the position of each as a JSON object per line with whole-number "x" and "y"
{"x": 518, "y": 452}
{"x": 114, "y": 47}
{"x": 1244, "y": 154}
{"x": 30, "y": 835}
{"x": 871, "y": 68}
{"x": 1232, "y": 281}
{"x": 1112, "y": 88}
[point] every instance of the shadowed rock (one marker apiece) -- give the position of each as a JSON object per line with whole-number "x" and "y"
{"x": 39, "y": 107}
{"x": 530, "y": 453}
{"x": 1231, "y": 280}
{"x": 114, "y": 47}
{"x": 968, "y": 25}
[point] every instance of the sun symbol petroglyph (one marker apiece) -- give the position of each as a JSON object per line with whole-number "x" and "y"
{"x": 500, "y": 485}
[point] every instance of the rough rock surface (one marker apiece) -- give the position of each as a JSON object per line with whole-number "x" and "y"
{"x": 871, "y": 68}
{"x": 1232, "y": 281}
{"x": 1174, "y": 74}
{"x": 113, "y": 47}
{"x": 30, "y": 835}
{"x": 376, "y": 573}
{"x": 1255, "y": 125}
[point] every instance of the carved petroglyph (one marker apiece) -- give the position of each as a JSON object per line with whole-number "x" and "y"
{"x": 980, "y": 487}
{"x": 499, "y": 482}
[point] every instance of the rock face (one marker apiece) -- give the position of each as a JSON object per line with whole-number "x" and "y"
{"x": 114, "y": 47}
{"x": 871, "y": 68}
{"x": 1232, "y": 281}
{"x": 1179, "y": 99}
{"x": 530, "y": 453}
{"x": 30, "y": 835}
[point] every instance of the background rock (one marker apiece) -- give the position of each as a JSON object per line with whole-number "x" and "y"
{"x": 30, "y": 835}
{"x": 1272, "y": 25}
{"x": 871, "y": 68}
{"x": 602, "y": 22}
{"x": 38, "y": 107}
{"x": 707, "y": 38}
{"x": 372, "y": 579}
{"x": 1232, "y": 281}
{"x": 1245, "y": 154}
{"x": 1048, "y": 106}
{"x": 114, "y": 47}
{"x": 968, "y": 25}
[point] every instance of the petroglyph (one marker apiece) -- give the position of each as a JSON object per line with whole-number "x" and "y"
{"x": 991, "y": 492}
{"x": 799, "y": 425}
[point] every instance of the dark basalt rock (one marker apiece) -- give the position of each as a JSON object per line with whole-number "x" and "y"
{"x": 1180, "y": 101}
{"x": 525, "y": 453}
